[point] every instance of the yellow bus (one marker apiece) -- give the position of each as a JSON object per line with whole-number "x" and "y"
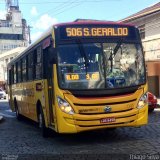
{"x": 81, "y": 76}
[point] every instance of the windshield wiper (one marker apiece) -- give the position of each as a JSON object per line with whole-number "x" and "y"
{"x": 116, "y": 48}
{"x": 114, "y": 52}
{"x": 83, "y": 54}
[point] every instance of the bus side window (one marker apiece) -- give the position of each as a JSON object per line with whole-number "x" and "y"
{"x": 52, "y": 55}
{"x": 24, "y": 69}
{"x": 38, "y": 63}
{"x": 30, "y": 66}
{"x": 16, "y": 72}
{"x": 19, "y": 71}
{"x": 49, "y": 58}
{"x": 12, "y": 74}
{"x": 9, "y": 76}
{"x": 15, "y": 76}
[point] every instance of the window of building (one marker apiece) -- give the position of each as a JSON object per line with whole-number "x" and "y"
{"x": 8, "y": 46}
{"x": 142, "y": 31}
{"x": 11, "y": 36}
{"x": 4, "y": 24}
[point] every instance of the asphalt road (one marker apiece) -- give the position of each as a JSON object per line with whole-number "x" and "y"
{"x": 21, "y": 139}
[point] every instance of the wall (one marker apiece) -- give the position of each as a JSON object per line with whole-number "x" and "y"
{"x": 151, "y": 45}
{"x": 153, "y": 70}
{"x": 5, "y": 58}
{"x": 13, "y": 26}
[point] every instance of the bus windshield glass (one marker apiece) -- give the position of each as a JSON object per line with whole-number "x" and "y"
{"x": 100, "y": 65}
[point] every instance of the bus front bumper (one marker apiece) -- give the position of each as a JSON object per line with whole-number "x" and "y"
{"x": 80, "y": 123}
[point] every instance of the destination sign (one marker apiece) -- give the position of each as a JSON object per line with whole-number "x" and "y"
{"x": 82, "y": 76}
{"x": 96, "y": 31}
{"x": 109, "y": 31}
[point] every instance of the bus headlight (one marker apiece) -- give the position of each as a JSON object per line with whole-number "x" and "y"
{"x": 142, "y": 101}
{"x": 64, "y": 106}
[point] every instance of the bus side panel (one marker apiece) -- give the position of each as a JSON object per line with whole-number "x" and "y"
{"x": 18, "y": 97}
{"x": 41, "y": 95}
{"x": 32, "y": 95}
{"x": 61, "y": 125}
{"x": 27, "y": 96}
{"x": 29, "y": 101}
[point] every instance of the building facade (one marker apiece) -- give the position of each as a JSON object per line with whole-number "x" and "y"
{"x": 5, "y": 58}
{"x": 148, "y": 22}
{"x": 13, "y": 29}
{"x": 14, "y": 37}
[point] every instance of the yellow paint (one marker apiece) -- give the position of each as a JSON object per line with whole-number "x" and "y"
{"x": 87, "y": 117}
{"x": 88, "y": 111}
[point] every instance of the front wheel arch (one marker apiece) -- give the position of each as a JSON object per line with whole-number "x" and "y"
{"x": 18, "y": 115}
{"x": 41, "y": 120}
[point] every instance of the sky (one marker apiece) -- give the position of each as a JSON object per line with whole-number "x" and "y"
{"x": 40, "y": 14}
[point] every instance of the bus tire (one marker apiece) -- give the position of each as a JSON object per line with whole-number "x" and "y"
{"x": 18, "y": 116}
{"x": 41, "y": 123}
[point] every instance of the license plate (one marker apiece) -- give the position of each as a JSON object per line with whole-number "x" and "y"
{"x": 107, "y": 120}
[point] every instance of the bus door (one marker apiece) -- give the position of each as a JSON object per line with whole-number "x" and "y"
{"x": 50, "y": 92}
{"x": 48, "y": 67}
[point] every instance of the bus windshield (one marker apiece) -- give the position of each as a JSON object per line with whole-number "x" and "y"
{"x": 100, "y": 65}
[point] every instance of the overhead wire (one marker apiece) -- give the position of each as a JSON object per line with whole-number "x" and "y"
{"x": 47, "y": 2}
{"x": 70, "y": 6}
{"x": 55, "y": 8}
{"x": 67, "y": 9}
{"x": 66, "y": 5}
{"x": 62, "y": 8}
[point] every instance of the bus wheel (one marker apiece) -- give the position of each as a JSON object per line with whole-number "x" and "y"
{"x": 18, "y": 116}
{"x": 41, "y": 123}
